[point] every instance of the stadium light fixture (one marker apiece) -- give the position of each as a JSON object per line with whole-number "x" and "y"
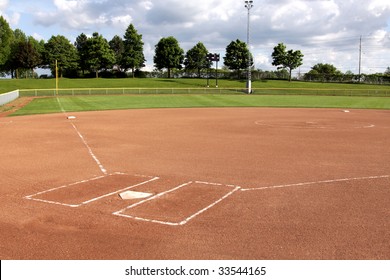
{"x": 249, "y": 6}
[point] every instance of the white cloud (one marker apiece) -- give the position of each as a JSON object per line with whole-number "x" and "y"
{"x": 12, "y": 17}
{"x": 67, "y": 5}
{"x": 3, "y": 5}
{"x": 325, "y": 30}
{"x": 38, "y": 37}
{"x": 147, "y": 5}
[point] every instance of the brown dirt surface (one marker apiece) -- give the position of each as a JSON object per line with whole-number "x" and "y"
{"x": 13, "y": 106}
{"x": 247, "y": 183}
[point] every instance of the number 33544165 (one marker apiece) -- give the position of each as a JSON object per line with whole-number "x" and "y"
{"x": 249, "y": 271}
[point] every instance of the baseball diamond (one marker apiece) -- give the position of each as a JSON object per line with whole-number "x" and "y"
{"x": 208, "y": 183}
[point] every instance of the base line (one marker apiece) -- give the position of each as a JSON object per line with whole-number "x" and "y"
{"x": 315, "y": 183}
{"x": 100, "y": 165}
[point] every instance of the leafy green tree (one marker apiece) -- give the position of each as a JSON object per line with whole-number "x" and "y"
{"x": 99, "y": 54}
{"x": 196, "y": 58}
{"x": 117, "y": 46}
{"x": 237, "y": 55}
{"x": 323, "y": 72}
{"x": 60, "y": 49}
{"x": 6, "y": 38}
{"x": 28, "y": 55}
{"x": 12, "y": 65}
{"x": 168, "y": 54}
{"x": 133, "y": 56}
{"x": 326, "y": 69}
{"x": 81, "y": 46}
{"x": 286, "y": 59}
{"x": 387, "y": 72}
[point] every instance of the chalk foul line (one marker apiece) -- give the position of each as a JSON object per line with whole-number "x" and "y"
{"x": 316, "y": 183}
{"x": 101, "y": 167}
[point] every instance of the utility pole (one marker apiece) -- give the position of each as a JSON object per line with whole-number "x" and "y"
{"x": 249, "y": 6}
{"x": 360, "y": 60}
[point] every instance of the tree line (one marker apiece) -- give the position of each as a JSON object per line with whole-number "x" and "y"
{"x": 94, "y": 56}
{"x": 21, "y": 54}
{"x": 90, "y": 56}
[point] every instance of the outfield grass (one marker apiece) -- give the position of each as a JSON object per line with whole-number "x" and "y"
{"x": 97, "y": 103}
{"x": 267, "y": 94}
{"x": 7, "y": 85}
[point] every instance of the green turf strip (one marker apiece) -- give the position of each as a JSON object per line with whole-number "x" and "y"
{"x": 97, "y": 103}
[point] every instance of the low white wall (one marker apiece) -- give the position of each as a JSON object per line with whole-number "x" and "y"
{"x": 8, "y": 97}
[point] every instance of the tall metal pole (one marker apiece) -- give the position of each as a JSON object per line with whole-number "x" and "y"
{"x": 360, "y": 60}
{"x": 249, "y": 6}
{"x": 56, "y": 77}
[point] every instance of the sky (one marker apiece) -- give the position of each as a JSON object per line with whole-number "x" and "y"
{"x": 326, "y": 31}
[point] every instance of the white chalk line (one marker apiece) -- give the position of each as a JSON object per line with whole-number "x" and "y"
{"x": 32, "y": 197}
{"x": 316, "y": 183}
{"x": 61, "y": 107}
{"x": 186, "y": 220}
{"x": 314, "y": 125}
{"x": 91, "y": 153}
{"x": 236, "y": 188}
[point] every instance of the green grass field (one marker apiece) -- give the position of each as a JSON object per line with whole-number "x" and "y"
{"x": 267, "y": 94}
{"x": 7, "y": 85}
{"x": 97, "y": 103}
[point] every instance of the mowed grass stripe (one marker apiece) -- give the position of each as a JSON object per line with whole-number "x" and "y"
{"x": 98, "y": 103}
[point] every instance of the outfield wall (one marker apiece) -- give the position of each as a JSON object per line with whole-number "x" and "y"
{"x": 8, "y": 97}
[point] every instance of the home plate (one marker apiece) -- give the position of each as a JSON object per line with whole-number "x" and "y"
{"x": 71, "y": 118}
{"x": 134, "y": 195}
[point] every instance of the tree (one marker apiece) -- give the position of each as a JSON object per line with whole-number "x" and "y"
{"x": 117, "y": 46}
{"x": 12, "y": 65}
{"x": 6, "y": 38}
{"x": 81, "y": 46}
{"x": 60, "y": 49}
{"x": 237, "y": 55}
{"x": 196, "y": 58}
{"x": 28, "y": 55}
{"x": 25, "y": 55}
{"x": 99, "y": 54}
{"x": 323, "y": 72}
{"x": 286, "y": 59}
{"x": 387, "y": 72}
{"x": 168, "y": 54}
{"x": 133, "y": 57}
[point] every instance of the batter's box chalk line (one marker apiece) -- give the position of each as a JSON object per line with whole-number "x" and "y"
{"x": 154, "y": 198}
{"x": 184, "y": 220}
{"x": 145, "y": 179}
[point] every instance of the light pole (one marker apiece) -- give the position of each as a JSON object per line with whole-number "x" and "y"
{"x": 249, "y": 6}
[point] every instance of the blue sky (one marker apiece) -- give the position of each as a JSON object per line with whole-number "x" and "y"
{"x": 326, "y": 31}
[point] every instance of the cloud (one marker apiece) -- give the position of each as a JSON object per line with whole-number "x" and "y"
{"x": 326, "y": 31}
{"x": 3, "y": 5}
{"x": 85, "y": 15}
{"x": 12, "y": 17}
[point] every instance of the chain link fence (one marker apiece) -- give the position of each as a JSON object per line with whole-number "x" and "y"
{"x": 385, "y": 92}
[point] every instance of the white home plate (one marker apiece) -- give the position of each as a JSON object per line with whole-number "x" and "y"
{"x": 134, "y": 195}
{"x": 71, "y": 118}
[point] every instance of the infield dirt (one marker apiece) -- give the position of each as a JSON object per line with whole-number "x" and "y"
{"x": 311, "y": 184}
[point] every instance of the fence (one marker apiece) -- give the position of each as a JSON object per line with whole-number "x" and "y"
{"x": 385, "y": 92}
{"x": 8, "y": 97}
